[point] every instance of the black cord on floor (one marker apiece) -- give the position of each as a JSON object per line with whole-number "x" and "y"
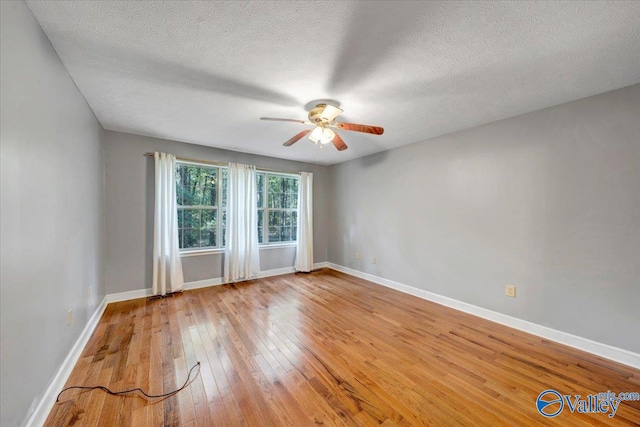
{"x": 120, "y": 393}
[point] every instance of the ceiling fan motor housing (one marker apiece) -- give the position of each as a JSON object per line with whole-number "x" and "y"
{"x": 315, "y": 115}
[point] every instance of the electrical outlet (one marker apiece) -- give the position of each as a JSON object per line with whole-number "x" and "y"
{"x": 373, "y": 260}
{"x": 89, "y": 291}
{"x": 510, "y": 291}
{"x": 357, "y": 255}
{"x": 69, "y": 317}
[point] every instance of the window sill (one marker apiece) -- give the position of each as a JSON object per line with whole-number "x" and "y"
{"x": 199, "y": 252}
{"x": 278, "y": 245}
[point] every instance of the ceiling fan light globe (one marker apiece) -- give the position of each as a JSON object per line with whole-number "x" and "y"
{"x": 327, "y": 136}
{"x": 316, "y": 134}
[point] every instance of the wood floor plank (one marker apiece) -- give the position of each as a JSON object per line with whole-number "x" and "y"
{"x": 279, "y": 368}
{"x": 93, "y": 409}
{"x": 155, "y": 409}
{"x": 283, "y": 401}
{"x": 185, "y": 405}
{"x": 325, "y": 348}
{"x": 214, "y": 403}
{"x": 171, "y": 349}
{"x": 198, "y": 395}
{"x": 140, "y": 410}
{"x": 210, "y": 329}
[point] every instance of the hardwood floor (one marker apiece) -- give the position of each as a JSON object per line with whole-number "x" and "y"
{"x": 325, "y": 348}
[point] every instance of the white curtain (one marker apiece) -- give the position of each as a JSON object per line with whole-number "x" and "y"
{"x": 241, "y": 257}
{"x": 167, "y": 267}
{"x": 304, "y": 248}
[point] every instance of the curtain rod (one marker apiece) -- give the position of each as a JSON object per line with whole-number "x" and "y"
{"x": 185, "y": 159}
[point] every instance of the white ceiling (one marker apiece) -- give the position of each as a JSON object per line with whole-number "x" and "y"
{"x": 204, "y": 72}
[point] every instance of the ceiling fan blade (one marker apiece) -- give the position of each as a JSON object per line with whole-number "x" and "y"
{"x": 339, "y": 143}
{"x": 285, "y": 120}
{"x": 330, "y": 112}
{"x": 376, "y": 130}
{"x": 297, "y": 137}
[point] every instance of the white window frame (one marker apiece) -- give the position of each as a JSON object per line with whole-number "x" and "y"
{"x": 185, "y": 252}
{"x": 219, "y": 208}
{"x": 265, "y": 198}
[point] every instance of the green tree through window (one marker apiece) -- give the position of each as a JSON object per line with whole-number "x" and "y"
{"x": 201, "y": 193}
{"x": 278, "y": 207}
{"x": 201, "y": 219}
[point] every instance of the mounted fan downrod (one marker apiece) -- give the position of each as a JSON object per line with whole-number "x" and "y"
{"x": 323, "y": 117}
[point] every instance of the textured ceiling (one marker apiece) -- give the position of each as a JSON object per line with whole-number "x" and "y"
{"x": 204, "y": 72}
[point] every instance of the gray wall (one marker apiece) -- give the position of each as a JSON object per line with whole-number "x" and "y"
{"x": 129, "y": 210}
{"x": 548, "y": 201}
{"x": 51, "y": 212}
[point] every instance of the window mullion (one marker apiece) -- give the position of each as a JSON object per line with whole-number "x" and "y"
{"x": 219, "y": 214}
{"x": 265, "y": 213}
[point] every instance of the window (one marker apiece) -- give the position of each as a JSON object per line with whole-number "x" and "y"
{"x": 201, "y": 192}
{"x": 277, "y": 207}
{"x": 201, "y": 197}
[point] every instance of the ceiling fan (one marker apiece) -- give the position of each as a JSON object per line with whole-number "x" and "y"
{"x": 323, "y": 117}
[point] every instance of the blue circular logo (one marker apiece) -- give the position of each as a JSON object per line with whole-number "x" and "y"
{"x": 546, "y": 401}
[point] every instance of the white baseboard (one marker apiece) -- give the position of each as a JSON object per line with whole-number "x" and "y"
{"x": 276, "y": 272}
{"x": 203, "y": 283}
{"x": 606, "y": 351}
{"x": 147, "y": 292}
{"x": 125, "y": 296}
{"x": 48, "y": 399}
